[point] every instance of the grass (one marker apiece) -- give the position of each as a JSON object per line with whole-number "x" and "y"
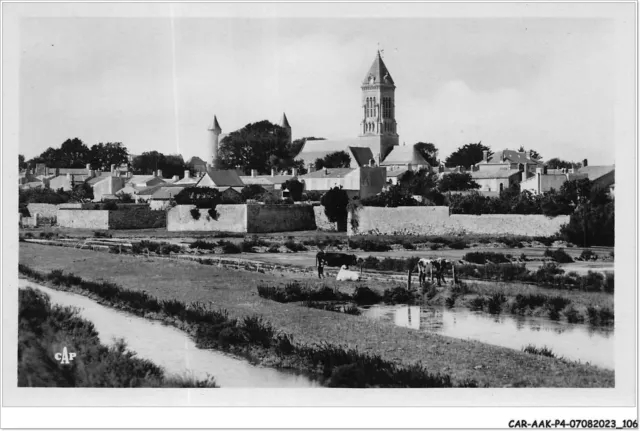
{"x": 542, "y": 351}
{"x": 216, "y": 329}
{"x": 43, "y": 327}
{"x": 235, "y": 291}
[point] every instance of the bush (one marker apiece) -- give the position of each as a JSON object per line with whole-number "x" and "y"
{"x": 273, "y": 249}
{"x": 98, "y": 234}
{"x": 365, "y": 244}
{"x": 587, "y": 255}
{"x": 398, "y": 295}
{"x": 408, "y": 246}
{"x": 229, "y": 248}
{"x": 482, "y": 257}
{"x": 335, "y": 203}
{"x": 195, "y": 213}
{"x": 231, "y": 336}
{"x": 458, "y": 245}
{"x": 204, "y": 245}
{"x": 110, "y": 205}
{"x": 559, "y": 255}
{"x": 294, "y": 246}
{"x": 258, "y": 331}
{"x": 542, "y": 351}
{"x": 365, "y": 296}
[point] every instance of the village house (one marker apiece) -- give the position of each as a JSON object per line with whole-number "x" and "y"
{"x": 601, "y": 176}
{"x": 220, "y": 179}
{"x": 361, "y": 182}
{"x": 405, "y": 157}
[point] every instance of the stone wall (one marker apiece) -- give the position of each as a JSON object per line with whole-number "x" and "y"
{"x": 231, "y": 218}
{"x": 401, "y": 221}
{"x": 322, "y": 222}
{"x": 280, "y": 218}
{"x": 508, "y": 224}
{"x": 436, "y": 221}
{"x": 84, "y": 219}
{"x": 137, "y": 217}
{"x": 49, "y": 211}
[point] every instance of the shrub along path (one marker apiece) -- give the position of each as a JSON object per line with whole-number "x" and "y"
{"x": 236, "y": 291}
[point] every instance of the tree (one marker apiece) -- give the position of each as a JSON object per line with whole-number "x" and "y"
{"x": 467, "y": 155}
{"x": 261, "y": 146}
{"x": 457, "y": 181}
{"x": 335, "y": 203}
{"x": 252, "y": 191}
{"x": 556, "y": 163}
{"x": 337, "y": 159}
{"x": 82, "y": 192}
{"x": 21, "y": 163}
{"x": 295, "y": 188}
{"x": 74, "y": 153}
{"x": 428, "y": 151}
{"x": 104, "y": 155}
{"x": 149, "y": 162}
{"x": 418, "y": 182}
{"x": 534, "y": 154}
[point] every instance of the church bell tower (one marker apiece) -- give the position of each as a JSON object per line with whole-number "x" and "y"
{"x": 378, "y": 106}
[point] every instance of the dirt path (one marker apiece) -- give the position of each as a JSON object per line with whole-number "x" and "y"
{"x": 236, "y": 291}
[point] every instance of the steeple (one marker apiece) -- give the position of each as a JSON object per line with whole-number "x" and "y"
{"x": 378, "y": 73}
{"x": 215, "y": 127}
{"x": 285, "y": 125}
{"x": 212, "y": 145}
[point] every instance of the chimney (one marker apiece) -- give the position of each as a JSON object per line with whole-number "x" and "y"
{"x": 458, "y": 169}
{"x": 113, "y": 169}
{"x": 88, "y": 167}
{"x": 585, "y": 163}
{"x": 159, "y": 173}
{"x": 312, "y": 167}
{"x": 175, "y": 178}
{"x": 273, "y": 172}
{"x": 409, "y": 167}
{"x": 92, "y": 173}
{"x": 186, "y": 174}
{"x": 527, "y": 154}
{"x": 294, "y": 172}
{"x": 69, "y": 177}
{"x": 372, "y": 163}
{"x": 485, "y": 155}
{"x": 254, "y": 172}
{"x": 129, "y": 174}
{"x": 326, "y": 171}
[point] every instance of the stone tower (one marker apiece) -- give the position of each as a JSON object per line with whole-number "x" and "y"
{"x": 285, "y": 125}
{"x": 214, "y": 135}
{"x": 378, "y": 107}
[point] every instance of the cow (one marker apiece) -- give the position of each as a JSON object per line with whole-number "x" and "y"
{"x": 336, "y": 259}
{"x": 431, "y": 266}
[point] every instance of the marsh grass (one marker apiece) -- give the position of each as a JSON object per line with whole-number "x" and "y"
{"x": 542, "y": 351}
{"x": 215, "y": 329}
{"x": 43, "y": 326}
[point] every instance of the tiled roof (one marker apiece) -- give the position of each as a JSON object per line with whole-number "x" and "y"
{"x": 312, "y": 150}
{"x": 285, "y": 123}
{"x": 222, "y": 177}
{"x": 496, "y": 173}
{"x": 141, "y": 179}
{"x": 96, "y": 180}
{"x": 379, "y": 72}
{"x": 595, "y": 172}
{"x": 404, "y": 155}
{"x": 513, "y": 157}
{"x": 166, "y": 192}
{"x": 328, "y": 173}
{"x": 361, "y": 155}
{"x": 259, "y": 180}
{"x": 72, "y": 171}
{"x": 195, "y": 160}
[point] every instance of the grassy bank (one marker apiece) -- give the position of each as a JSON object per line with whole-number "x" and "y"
{"x": 235, "y": 291}
{"x": 341, "y": 367}
{"x": 44, "y": 330}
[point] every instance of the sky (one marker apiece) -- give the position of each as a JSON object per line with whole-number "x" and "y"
{"x": 155, "y": 83}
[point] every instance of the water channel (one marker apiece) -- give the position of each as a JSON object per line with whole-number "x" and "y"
{"x": 576, "y": 342}
{"x": 171, "y": 348}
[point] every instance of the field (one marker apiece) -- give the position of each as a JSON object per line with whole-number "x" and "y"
{"x": 236, "y": 291}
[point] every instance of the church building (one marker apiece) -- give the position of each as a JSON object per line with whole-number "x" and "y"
{"x": 378, "y": 128}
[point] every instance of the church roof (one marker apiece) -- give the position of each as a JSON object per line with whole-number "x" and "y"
{"x": 285, "y": 123}
{"x": 313, "y": 150}
{"x": 329, "y": 173}
{"x": 404, "y": 155}
{"x": 378, "y": 71}
{"x": 362, "y": 155}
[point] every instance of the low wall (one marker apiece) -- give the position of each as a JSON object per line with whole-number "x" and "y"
{"x": 84, "y": 219}
{"x": 322, "y": 222}
{"x": 280, "y": 218}
{"x": 401, "y": 221}
{"x": 231, "y": 218}
{"x": 508, "y": 224}
{"x": 436, "y": 221}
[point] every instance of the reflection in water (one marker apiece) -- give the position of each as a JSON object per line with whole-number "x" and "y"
{"x": 170, "y": 348}
{"x": 572, "y": 341}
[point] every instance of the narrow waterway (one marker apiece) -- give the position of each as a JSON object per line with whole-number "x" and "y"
{"x": 171, "y": 348}
{"x": 575, "y": 342}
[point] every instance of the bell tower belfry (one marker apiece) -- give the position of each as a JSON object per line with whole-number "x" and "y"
{"x": 378, "y": 106}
